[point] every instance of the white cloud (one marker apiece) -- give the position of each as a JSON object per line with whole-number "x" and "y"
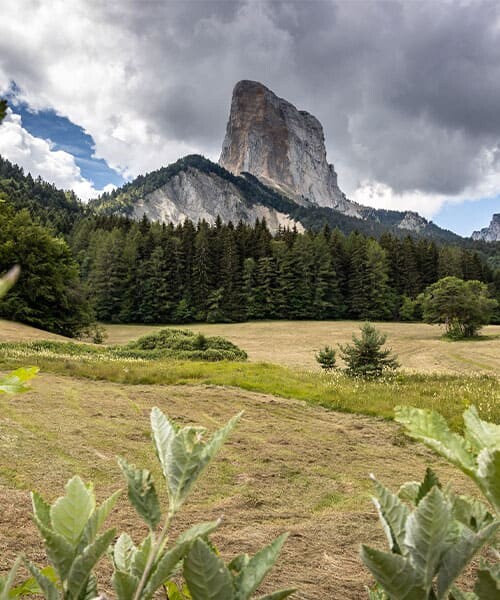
{"x": 38, "y": 157}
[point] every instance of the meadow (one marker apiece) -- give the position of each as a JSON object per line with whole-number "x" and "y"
{"x": 299, "y": 460}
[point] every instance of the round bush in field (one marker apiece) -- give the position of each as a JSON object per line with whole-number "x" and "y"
{"x": 185, "y": 344}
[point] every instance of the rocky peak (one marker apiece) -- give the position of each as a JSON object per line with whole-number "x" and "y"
{"x": 491, "y": 233}
{"x": 282, "y": 146}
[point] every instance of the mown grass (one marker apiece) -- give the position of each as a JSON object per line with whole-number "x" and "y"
{"x": 450, "y": 394}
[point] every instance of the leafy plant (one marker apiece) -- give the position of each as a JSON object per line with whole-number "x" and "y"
{"x": 366, "y": 357}
{"x": 70, "y": 530}
{"x": 433, "y": 533}
{"x": 326, "y": 358}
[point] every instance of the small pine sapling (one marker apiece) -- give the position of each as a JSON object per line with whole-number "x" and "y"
{"x": 366, "y": 357}
{"x": 326, "y": 358}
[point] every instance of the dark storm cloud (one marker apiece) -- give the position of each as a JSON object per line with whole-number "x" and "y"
{"x": 408, "y": 92}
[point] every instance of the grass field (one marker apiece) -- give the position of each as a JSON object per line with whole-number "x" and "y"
{"x": 290, "y": 466}
{"x": 419, "y": 347}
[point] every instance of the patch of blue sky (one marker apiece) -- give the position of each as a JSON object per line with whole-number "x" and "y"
{"x": 468, "y": 216}
{"x": 70, "y": 138}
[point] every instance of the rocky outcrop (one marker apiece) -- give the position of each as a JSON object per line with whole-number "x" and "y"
{"x": 282, "y": 146}
{"x": 196, "y": 195}
{"x": 491, "y": 233}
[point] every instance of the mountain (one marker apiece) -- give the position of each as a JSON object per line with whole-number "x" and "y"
{"x": 282, "y": 146}
{"x": 273, "y": 165}
{"x": 491, "y": 233}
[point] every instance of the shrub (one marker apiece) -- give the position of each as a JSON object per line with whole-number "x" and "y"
{"x": 365, "y": 357}
{"x": 434, "y": 533}
{"x": 186, "y": 344}
{"x": 326, "y": 358}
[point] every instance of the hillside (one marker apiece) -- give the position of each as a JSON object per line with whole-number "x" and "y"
{"x": 246, "y": 194}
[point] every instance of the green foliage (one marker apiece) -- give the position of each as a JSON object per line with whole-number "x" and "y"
{"x": 409, "y": 310}
{"x": 462, "y": 306}
{"x": 48, "y": 293}
{"x": 176, "y": 344}
{"x": 365, "y": 357}
{"x": 70, "y": 530}
{"x": 433, "y": 534}
{"x": 326, "y": 358}
{"x": 184, "y": 341}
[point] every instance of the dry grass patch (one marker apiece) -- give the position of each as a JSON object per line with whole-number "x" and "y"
{"x": 287, "y": 467}
{"x": 419, "y": 347}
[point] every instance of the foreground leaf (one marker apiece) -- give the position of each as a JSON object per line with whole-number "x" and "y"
{"x": 251, "y": 576}
{"x": 142, "y": 493}
{"x": 206, "y": 575}
{"x": 16, "y": 382}
{"x": 70, "y": 514}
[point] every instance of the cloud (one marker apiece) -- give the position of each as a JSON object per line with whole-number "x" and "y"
{"x": 38, "y": 157}
{"x": 407, "y": 91}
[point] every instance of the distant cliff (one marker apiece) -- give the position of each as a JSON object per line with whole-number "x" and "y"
{"x": 491, "y": 233}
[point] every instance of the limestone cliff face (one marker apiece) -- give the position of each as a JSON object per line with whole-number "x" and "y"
{"x": 282, "y": 146}
{"x": 491, "y": 233}
{"x": 195, "y": 195}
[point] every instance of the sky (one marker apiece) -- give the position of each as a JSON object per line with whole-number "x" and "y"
{"x": 408, "y": 92}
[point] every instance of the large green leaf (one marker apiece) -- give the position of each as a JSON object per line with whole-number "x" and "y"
{"x": 183, "y": 453}
{"x": 164, "y": 568}
{"x": 45, "y": 585}
{"x": 86, "y": 561}
{"x": 163, "y": 432}
{"x": 488, "y": 474}
{"x": 141, "y": 555}
{"x": 428, "y": 535}
{"x": 7, "y": 582}
{"x": 97, "y": 519}
{"x": 470, "y": 512}
{"x": 59, "y": 551}
{"x": 124, "y": 585}
{"x": 457, "y": 594}
{"x": 142, "y": 493}
{"x": 479, "y": 433}
{"x": 198, "y": 530}
{"x": 41, "y": 509}
{"x": 8, "y": 280}
{"x": 70, "y": 513}
{"x": 430, "y": 480}
{"x": 431, "y": 428}
{"x": 206, "y": 575}
{"x": 251, "y": 576}
{"x": 394, "y": 573}
{"x": 16, "y": 381}
{"x": 393, "y": 515}
{"x": 123, "y": 553}
{"x": 458, "y": 556}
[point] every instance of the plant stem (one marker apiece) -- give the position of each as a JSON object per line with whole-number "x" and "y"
{"x": 153, "y": 556}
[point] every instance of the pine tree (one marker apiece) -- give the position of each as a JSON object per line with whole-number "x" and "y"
{"x": 365, "y": 357}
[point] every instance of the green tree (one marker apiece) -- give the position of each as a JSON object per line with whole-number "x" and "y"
{"x": 49, "y": 293}
{"x": 326, "y": 358}
{"x": 462, "y": 306}
{"x": 366, "y": 357}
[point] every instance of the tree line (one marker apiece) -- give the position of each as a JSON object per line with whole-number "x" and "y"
{"x": 148, "y": 272}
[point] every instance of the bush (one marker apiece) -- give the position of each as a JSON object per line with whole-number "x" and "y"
{"x": 182, "y": 343}
{"x": 365, "y": 357}
{"x": 326, "y": 358}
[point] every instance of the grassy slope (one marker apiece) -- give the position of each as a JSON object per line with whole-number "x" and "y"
{"x": 288, "y": 467}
